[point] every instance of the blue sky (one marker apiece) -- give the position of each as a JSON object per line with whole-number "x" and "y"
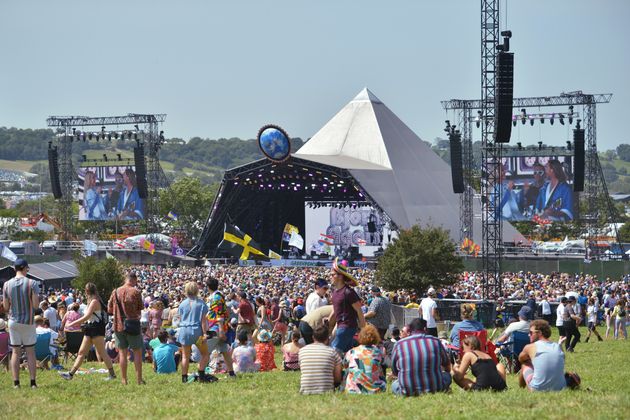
{"x": 224, "y": 69}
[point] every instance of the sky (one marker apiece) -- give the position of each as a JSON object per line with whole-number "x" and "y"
{"x": 224, "y": 69}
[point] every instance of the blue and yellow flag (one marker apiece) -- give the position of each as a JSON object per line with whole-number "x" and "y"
{"x": 171, "y": 215}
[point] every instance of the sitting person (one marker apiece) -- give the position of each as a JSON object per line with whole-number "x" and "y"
{"x": 487, "y": 374}
{"x": 320, "y": 364}
{"x": 244, "y": 355}
{"x": 466, "y": 324}
{"x": 265, "y": 351}
{"x": 364, "y": 364}
{"x": 42, "y": 326}
{"x": 291, "y": 351}
{"x": 521, "y": 325}
{"x": 542, "y": 361}
{"x": 164, "y": 354}
{"x": 420, "y": 363}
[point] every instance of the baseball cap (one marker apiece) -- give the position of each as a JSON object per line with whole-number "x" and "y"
{"x": 375, "y": 289}
{"x": 321, "y": 283}
{"x": 524, "y": 312}
{"x": 431, "y": 291}
{"x": 20, "y": 264}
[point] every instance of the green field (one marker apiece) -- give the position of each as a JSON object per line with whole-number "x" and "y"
{"x": 19, "y": 165}
{"x": 603, "y": 367}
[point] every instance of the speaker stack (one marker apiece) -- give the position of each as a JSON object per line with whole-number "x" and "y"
{"x": 504, "y": 96}
{"x": 53, "y": 168}
{"x": 578, "y": 162}
{"x": 457, "y": 174}
{"x": 141, "y": 171}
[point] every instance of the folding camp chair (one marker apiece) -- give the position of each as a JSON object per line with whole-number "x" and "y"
{"x": 42, "y": 350}
{"x": 73, "y": 344}
{"x": 5, "y": 350}
{"x": 486, "y": 346}
{"x": 511, "y": 349}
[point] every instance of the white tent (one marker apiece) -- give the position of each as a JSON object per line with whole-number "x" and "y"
{"x": 401, "y": 173}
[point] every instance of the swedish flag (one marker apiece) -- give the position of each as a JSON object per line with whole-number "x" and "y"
{"x": 239, "y": 244}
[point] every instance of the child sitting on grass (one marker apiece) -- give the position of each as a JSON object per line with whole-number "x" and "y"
{"x": 265, "y": 351}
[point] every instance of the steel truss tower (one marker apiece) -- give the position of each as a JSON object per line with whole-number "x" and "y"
{"x": 491, "y": 225}
{"x": 468, "y": 164}
{"x": 148, "y": 136}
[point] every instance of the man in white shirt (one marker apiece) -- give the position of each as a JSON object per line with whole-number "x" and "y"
{"x": 545, "y": 308}
{"x": 50, "y": 314}
{"x": 559, "y": 317}
{"x": 317, "y": 298}
{"x": 428, "y": 312}
{"x": 522, "y": 325}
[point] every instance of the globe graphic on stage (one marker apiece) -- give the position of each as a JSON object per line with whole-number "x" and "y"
{"x": 274, "y": 143}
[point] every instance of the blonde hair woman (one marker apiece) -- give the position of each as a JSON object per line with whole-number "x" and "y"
{"x": 192, "y": 330}
{"x": 466, "y": 324}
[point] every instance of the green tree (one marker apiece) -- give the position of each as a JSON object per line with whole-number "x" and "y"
{"x": 420, "y": 257}
{"x": 623, "y": 151}
{"x": 624, "y": 232}
{"x": 191, "y": 201}
{"x": 106, "y": 274}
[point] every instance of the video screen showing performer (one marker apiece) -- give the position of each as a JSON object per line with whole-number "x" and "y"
{"x": 109, "y": 193}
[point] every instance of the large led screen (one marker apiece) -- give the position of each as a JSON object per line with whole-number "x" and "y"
{"x": 538, "y": 188}
{"x": 109, "y": 193}
{"x": 330, "y": 229}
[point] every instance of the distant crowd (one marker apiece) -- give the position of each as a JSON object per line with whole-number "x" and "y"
{"x": 332, "y": 325}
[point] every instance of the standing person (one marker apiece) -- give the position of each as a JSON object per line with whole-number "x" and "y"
{"x": 545, "y": 309}
{"x": 95, "y": 319}
{"x": 560, "y": 317}
{"x": 263, "y": 318}
{"x": 317, "y": 299}
{"x": 320, "y": 365}
{"x": 125, "y": 304}
{"x": 218, "y": 324}
{"x": 155, "y": 318}
{"x": 428, "y": 312}
{"x": 542, "y": 361}
{"x": 246, "y": 315}
{"x": 380, "y": 311}
{"x": 192, "y": 330}
{"x": 346, "y": 307}
{"x": 591, "y": 313}
{"x": 20, "y": 298}
{"x": 50, "y": 314}
{"x": 609, "y": 305}
{"x": 571, "y": 320}
{"x": 420, "y": 363}
{"x": 619, "y": 314}
{"x": 279, "y": 319}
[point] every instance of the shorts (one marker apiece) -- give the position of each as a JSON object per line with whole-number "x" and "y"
{"x": 188, "y": 336}
{"x": 344, "y": 339}
{"x": 591, "y": 326}
{"x": 94, "y": 330}
{"x": 245, "y": 327}
{"x": 217, "y": 344}
{"x": 446, "y": 384}
{"x": 528, "y": 374}
{"x": 126, "y": 341}
{"x": 562, "y": 332}
{"x": 22, "y": 334}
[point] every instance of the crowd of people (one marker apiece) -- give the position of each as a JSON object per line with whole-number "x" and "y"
{"x": 334, "y": 325}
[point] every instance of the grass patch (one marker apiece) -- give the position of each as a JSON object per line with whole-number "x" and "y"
{"x": 603, "y": 367}
{"x": 19, "y": 165}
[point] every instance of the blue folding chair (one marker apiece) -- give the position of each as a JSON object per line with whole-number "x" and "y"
{"x": 511, "y": 349}
{"x": 42, "y": 349}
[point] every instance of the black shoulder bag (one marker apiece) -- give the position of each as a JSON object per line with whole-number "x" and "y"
{"x": 132, "y": 326}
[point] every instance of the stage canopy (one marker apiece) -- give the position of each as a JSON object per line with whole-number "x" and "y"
{"x": 364, "y": 155}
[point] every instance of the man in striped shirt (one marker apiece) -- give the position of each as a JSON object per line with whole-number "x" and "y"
{"x": 20, "y": 298}
{"x": 320, "y": 364}
{"x": 420, "y": 362}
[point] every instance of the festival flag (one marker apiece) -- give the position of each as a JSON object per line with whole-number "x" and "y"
{"x": 172, "y": 215}
{"x": 274, "y": 255}
{"x": 89, "y": 247}
{"x": 146, "y": 244}
{"x": 326, "y": 239}
{"x": 7, "y": 253}
{"x": 361, "y": 242}
{"x": 476, "y": 250}
{"x": 288, "y": 230}
{"x": 296, "y": 240}
{"x": 110, "y": 256}
{"x": 239, "y": 244}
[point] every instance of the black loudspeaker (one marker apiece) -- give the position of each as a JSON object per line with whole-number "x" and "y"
{"x": 457, "y": 174}
{"x": 53, "y": 168}
{"x": 141, "y": 171}
{"x": 578, "y": 161}
{"x": 503, "y": 97}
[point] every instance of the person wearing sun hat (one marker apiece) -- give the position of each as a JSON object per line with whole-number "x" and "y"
{"x": 265, "y": 350}
{"x": 347, "y": 311}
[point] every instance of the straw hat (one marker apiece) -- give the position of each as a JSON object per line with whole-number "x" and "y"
{"x": 342, "y": 268}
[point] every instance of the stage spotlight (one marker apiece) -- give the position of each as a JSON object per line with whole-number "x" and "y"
{"x": 119, "y": 156}
{"x": 513, "y": 122}
{"x": 478, "y": 119}
{"x": 116, "y": 135}
{"x": 104, "y": 157}
{"x": 540, "y": 144}
{"x": 531, "y": 121}
{"x": 570, "y": 114}
{"x": 109, "y": 136}
{"x": 551, "y": 119}
{"x": 74, "y": 130}
{"x": 519, "y": 145}
{"x": 136, "y": 127}
{"x": 90, "y": 136}
{"x": 542, "y": 118}
{"x": 523, "y": 116}
{"x": 568, "y": 145}
{"x": 561, "y": 117}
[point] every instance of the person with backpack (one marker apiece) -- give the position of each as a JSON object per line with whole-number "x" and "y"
{"x": 93, "y": 324}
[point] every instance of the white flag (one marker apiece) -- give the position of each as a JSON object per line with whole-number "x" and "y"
{"x": 89, "y": 246}
{"x": 296, "y": 240}
{"x": 108, "y": 255}
{"x": 7, "y": 253}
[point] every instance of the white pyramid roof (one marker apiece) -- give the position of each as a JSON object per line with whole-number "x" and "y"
{"x": 396, "y": 168}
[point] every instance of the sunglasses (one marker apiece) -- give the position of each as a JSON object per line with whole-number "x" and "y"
{"x": 539, "y": 172}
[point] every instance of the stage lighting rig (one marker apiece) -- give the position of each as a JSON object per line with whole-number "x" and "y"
{"x": 552, "y": 118}
{"x": 523, "y": 116}
{"x": 478, "y": 119}
{"x": 570, "y": 114}
{"x": 561, "y": 117}
{"x": 569, "y": 146}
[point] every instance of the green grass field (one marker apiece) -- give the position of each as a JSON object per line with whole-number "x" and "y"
{"x": 603, "y": 367}
{"x": 19, "y": 165}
